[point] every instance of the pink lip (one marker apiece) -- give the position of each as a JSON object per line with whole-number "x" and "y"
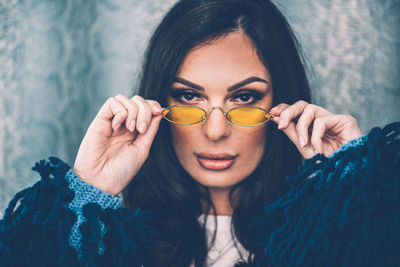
{"x": 215, "y": 161}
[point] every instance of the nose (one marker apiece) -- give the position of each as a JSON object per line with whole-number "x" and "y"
{"x": 216, "y": 127}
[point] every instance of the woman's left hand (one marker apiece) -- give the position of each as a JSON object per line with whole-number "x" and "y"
{"x": 314, "y": 129}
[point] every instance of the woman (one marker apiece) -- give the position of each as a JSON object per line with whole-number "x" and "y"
{"x": 209, "y": 161}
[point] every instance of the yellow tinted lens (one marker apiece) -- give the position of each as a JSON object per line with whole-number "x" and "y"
{"x": 248, "y": 116}
{"x": 184, "y": 114}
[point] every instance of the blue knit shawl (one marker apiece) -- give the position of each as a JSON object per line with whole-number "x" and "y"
{"x": 340, "y": 211}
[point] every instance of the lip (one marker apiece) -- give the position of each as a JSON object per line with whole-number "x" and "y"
{"x": 215, "y": 161}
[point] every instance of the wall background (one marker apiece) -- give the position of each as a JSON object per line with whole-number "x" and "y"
{"x": 60, "y": 60}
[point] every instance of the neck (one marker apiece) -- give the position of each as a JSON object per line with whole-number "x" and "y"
{"x": 220, "y": 199}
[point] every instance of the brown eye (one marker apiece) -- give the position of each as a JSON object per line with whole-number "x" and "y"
{"x": 244, "y": 97}
{"x": 247, "y": 96}
{"x": 188, "y": 96}
{"x": 185, "y": 95}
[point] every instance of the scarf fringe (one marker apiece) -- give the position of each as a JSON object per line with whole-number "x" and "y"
{"x": 32, "y": 234}
{"x": 348, "y": 205}
{"x": 36, "y": 232}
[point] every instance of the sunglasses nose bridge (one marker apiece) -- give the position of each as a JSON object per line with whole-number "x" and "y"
{"x": 215, "y": 107}
{"x": 222, "y": 110}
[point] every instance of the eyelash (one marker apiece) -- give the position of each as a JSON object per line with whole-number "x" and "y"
{"x": 180, "y": 94}
{"x": 254, "y": 95}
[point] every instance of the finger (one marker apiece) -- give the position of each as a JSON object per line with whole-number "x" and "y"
{"x": 304, "y": 122}
{"x": 112, "y": 110}
{"x": 290, "y": 113}
{"x": 133, "y": 110}
{"x": 306, "y": 151}
{"x": 144, "y": 115}
{"x": 295, "y": 110}
{"x": 291, "y": 132}
{"x": 320, "y": 127}
{"x": 144, "y": 141}
{"x": 334, "y": 124}
{"x": 318, "y": 133}
{"x": 155, "y": 107}
{"x": 276, "y": 111}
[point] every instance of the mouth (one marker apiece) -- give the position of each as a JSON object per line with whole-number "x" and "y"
{"x": 216, "y": 161}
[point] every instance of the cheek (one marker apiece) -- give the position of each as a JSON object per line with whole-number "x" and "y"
{"x": 252, "y": 144}
{"x": 182, "y": 139}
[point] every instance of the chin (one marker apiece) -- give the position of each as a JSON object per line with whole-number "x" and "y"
{"x": 218, "y": 180}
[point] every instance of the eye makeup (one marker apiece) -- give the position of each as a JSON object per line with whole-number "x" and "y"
{"x": 185, "y": 95}
{"x": 186, "y": 92}
{"x": 247, "y": 96}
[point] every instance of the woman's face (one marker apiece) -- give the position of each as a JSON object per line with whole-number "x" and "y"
{"x": 226, "y": 73}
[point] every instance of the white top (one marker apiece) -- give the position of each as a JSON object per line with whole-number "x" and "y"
{"x": 223, "y": 253}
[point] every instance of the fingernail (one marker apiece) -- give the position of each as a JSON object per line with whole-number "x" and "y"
{"x": 142, "y": 127}
{"x": 157, "y": 109}
{"x": 301, "y": 141}
{"x": 132, "y": 126}
{"x": 280, "y": 125}
{"x": 274, "y": 109}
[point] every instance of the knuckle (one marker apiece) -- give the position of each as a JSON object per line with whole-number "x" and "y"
{"x": 153, "y": 103}
{"x": 134, "y": 108}
{"x": 349, "y": 119}
{"x": 310, "y": 107}
{"x": 302, "y": 102}
{"x": 137, "y": 98}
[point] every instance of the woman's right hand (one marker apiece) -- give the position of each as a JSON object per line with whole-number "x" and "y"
{"x": 117, "y": 142}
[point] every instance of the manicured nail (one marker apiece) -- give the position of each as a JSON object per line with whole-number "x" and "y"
{"x": 274, "y": 109}
{"x": 142, "y": 127}
{"x": 301, "y": 141}
{"x": 280, "y": 125}
{"x": 132, "y": 126}
{"x": 157, "y": 109}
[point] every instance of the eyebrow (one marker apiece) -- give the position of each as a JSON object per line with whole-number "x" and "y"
{"x": 231, "y": 88}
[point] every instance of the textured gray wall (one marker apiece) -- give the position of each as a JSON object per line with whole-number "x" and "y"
{"x": 60, "y": 60}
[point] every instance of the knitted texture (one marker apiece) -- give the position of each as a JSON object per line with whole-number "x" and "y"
{"x": 58, "y": 209}
{"x": 35, "y": 232}
{"x": 95, "y": 209}
{"x": 341, "y": 211}
{"x": 84, "y": 194}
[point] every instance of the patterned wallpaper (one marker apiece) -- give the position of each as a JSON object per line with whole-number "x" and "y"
{"x": 60, "y": 60}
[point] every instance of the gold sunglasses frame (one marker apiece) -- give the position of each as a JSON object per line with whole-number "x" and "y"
{"x": 215, "y": 107}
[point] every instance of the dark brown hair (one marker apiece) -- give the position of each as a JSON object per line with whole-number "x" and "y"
{"x": 162, "y": 186}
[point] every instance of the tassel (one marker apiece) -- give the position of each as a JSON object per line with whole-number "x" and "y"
{"x": 32, "y": 234}
{"x": 343, "y": 210}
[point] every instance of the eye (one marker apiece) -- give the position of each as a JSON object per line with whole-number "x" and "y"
{"x": 185, "y": 95}
{"x": 188, "y": 96}
{"x": 247, "y": 96}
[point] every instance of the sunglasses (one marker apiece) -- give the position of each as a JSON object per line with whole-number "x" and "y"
{"x": 243, "y": 116}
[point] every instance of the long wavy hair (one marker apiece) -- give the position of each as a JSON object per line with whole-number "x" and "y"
{"x": 162, "y": 187}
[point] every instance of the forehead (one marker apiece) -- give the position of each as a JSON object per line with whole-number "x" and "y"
{"x": 231, "y": 57}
